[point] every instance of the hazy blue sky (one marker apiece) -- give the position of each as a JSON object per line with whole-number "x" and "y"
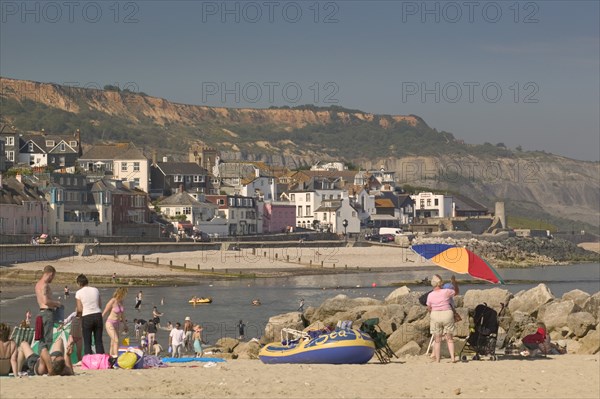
{"x": 522, "y": 73}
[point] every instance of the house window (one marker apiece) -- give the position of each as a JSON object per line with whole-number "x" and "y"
{"x": 187, "y": 210}
{"x": 221, "y": 201}
{"x": 428, "y": 202}
{"x": 436, "y": 202}
{"x": 123, "y": 166}
{"x": 10, "y": 154}
{"x": 32, "y": 160}
{"x": 307, "y": 197}
{"x": 188, "y": 178}
{"x": 49, "y": 143}
{"x": 61, "y": 161}
{"x": 53, "y": 159}
{"x": 196, "y": 178}
{"x": 232, "y": 214}
{"x": 178, "y": 178}
{"x": 299, "y": 211}
{"x": 10, "y": 141}
{"x": 30, "y": 147}
{"x": 324, "y": 217}
{"x": 422, "y": 203}
{"x": 136, "y": 166}
{"x": 293, "y": 197}
{"x": 62, "y": 147}
{"x": 73, "y": 143}
{"x": 307, "y": 210}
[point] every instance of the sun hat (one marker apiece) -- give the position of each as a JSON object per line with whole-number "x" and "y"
{"x": 187, "y": 318}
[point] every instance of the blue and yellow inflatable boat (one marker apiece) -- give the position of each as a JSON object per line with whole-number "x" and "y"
{"x": 337, "y": 347}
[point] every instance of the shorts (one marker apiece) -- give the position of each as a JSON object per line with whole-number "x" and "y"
{"x": 30, "y": 364}
{"x": 441, "y": 322}
{"x": 531, "y": 345}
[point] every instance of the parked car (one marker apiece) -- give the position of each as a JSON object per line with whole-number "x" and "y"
{"x": 381, "y": 237}
{"x": 200, "y": 236}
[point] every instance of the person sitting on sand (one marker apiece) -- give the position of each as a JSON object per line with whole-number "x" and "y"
{"x": 157, "y": 348}
{"x": 539, "y": 342}
{"x": 8, "y": 352}
{"x": 53, "y": 362}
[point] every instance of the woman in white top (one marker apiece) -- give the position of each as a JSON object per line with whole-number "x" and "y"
{"x": 89, "y": 308}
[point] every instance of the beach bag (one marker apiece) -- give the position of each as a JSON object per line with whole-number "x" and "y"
{"x": 95, "y": 362}
{"x": 423, "y": 298}
{"x": 127, "y": 360}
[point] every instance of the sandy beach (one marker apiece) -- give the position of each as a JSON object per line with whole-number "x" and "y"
{"x": 567, "y": 376}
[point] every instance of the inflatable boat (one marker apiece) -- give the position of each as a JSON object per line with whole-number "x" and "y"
{"x": 337, "y": 347}
{"x": 196, "y": 301}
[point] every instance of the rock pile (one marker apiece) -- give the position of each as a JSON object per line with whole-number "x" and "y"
{"x": 573, "y": 319}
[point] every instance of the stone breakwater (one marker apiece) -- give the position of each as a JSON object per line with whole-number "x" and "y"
{"x": 572, "y": 319}
{"x": 518, "y": 251}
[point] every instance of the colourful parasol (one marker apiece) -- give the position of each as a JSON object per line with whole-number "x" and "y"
{"x": 459, "y": 260}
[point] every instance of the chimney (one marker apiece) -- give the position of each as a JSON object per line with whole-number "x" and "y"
{"x": 153, "y": 157}
{"x": 181, "y": 188}
{"x": 165, "y": 159}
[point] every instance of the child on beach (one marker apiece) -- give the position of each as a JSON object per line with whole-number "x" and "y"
{"x": 144, "y": 342}
{"x": 198, "y": 340}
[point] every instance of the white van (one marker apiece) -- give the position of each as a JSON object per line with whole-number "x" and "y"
{"x": 390, "y": 230}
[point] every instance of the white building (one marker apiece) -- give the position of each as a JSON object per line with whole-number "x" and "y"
{"x": 309, "y": 198}
{"x": 122, "y": 161}
{"x": 429, "y": 205}
{"x": 331, "y": 215}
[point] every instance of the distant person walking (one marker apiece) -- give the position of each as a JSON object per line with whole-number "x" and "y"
{"x": 241, "y": 328}
{"x": 48, "y": 306}
{"x": 89, "y": 309}
{"x": 301, "y": 307}
{"x": 67, "y": 292}
{"x": 138, "y": 301}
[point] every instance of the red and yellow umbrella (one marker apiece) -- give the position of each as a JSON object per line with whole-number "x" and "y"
{"x": 459, "y": 260}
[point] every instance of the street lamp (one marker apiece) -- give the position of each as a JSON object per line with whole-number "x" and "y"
{"x": 345, "y": 224}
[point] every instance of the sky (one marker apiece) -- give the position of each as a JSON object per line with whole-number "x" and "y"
{"x": 522, "y": 73}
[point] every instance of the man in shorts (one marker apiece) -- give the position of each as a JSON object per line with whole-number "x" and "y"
{"x": 48, "y": 306}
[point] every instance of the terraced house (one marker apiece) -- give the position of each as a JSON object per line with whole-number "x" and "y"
{"x": 121, "y": 161}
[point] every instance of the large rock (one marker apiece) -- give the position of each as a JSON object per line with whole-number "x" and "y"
{"x": 592, "y": 306}
{"x": 340, "y": 303}
{"x": 247, "y": 350}
{"x": 409, "y": 349}
{"x": 580, "y": 323}
{"x": 520, "y": 324}
{"x": 493, "y": 297}
{"x": 577, "y": 296}
{"x": 227, "y": 344}
{"x": 590, "y": 344}
{"x": 416, "y": 312}
{"x": 554, "y": 314}
{"x": 417, "y": 331}
{"x": 390, "y": 317}
{"x": 462, "y": 327}
{"x": 530, "y": 301}
{"x": 273, "y": 328}
{"x": 398, "y": 295}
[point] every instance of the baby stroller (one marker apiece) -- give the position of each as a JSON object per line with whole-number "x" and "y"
{"x": 382, "y": 349}
{"x": 483, "y": 335}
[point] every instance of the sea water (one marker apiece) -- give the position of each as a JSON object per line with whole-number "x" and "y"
{"x": 232, "y": 300}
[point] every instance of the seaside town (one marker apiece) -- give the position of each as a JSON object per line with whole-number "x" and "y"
{"x": 299, "y": 199}
{"x": 55, "y": 188}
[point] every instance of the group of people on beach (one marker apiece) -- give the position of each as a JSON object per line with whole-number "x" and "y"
{"x": 88, "y": 323}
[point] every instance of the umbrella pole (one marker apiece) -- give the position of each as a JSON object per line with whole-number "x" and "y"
{"x": 429, "y": 346}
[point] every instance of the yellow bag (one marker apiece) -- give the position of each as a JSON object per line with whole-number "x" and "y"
{"x": 127, "y": 360}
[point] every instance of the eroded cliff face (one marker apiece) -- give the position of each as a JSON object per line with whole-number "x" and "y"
{"x": 559, "y": 186}
{"x": 134, "y": 107}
